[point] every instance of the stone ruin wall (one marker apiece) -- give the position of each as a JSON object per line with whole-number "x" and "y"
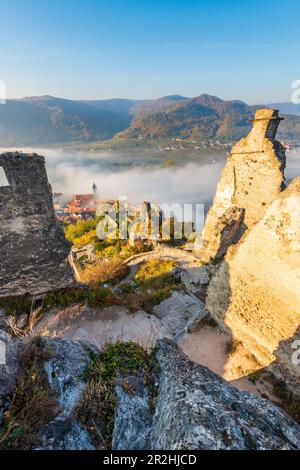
{"x": 255, "y": 292}
{"x": 251, "y": 180}
{"x": 33, "y": 249}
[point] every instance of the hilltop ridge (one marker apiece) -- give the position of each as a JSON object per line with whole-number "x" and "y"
{"x": 48, "y": 120}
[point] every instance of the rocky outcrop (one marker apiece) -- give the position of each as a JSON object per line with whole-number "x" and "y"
{"x": 33, "y": 248}
{"x": 133, "y": 414}
{"x": 251, "y": 179}
{"x": 64, "y": 363}
{"x": 64, "y": 433}
{"x": 186, "y": 407}
{"x": 197, "y": 409}
{"x": 255, "y": 293}
{"x": 64, "y": 370}
{"x": 194, "y": 278}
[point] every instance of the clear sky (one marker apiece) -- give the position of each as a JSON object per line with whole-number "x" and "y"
{"x": 234, "y": 49}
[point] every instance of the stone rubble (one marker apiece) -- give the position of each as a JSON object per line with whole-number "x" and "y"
{"x": 181, "y": 313}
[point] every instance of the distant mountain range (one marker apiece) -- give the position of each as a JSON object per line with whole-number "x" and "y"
{"x": 287, "y": 108}
{"x": 207, "y": 117}
{"x": 47, "y": 120}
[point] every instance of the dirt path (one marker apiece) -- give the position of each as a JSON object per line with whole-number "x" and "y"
{"x": 188, "y": 263}
{"x": 210, "y": 347}
{"x": 100, "y": 327}
{"x": 116, "y": 322}
{"x": 184, "y": 259}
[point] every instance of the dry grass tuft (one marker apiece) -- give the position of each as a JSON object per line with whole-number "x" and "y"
{"x": 16, "y": 331}
{"x": 110, "y": 270}
{"x": 96, "y": 411}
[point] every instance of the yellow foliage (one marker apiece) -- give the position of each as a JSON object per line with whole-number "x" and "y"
{"x": 104, "y": 271}
{"x": 86, "y": 239}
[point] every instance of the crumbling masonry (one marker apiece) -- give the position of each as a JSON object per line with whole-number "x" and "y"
{"x": 251, "y": 180}
{"x": 33, "y": 249}
{"x": 254, "y": 293}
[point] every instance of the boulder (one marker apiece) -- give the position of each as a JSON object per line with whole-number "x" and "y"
{"x": 197, "y": 409}
{"x": 181, "y": 313}
{"x": 69, "y": 360}
{"x": 194, "y": 277}
{"x": 133, "y": 414}
{"x": 255, "y": 293}
{"x": 9, "y": 364}
{"x": 64, "y": 369}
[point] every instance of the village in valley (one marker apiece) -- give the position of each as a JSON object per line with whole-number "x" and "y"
{"x": 71, "y": 207}
{"x": 149, "y": 232}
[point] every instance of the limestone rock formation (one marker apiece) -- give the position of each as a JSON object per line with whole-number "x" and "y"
{"x": 64, "y": 433}
{"x": 256, "y": 291}
{"x": 33, "y": 248}
{"x": 197, "y": 409}
{"x": 133, "y": 414}
{"x": 64, "y": 369}
{"x": 251, "y": 180}
{"x": 189, "y": 408}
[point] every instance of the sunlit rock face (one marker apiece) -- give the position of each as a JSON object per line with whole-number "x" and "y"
{"x": 255, "y": 293}
{"x": 251, "y": 180}
{"x": 33, "y": 249}
{"x": 197, "y": 409}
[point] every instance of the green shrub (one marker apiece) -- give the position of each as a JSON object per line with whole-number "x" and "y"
{"x": 95, "y": 297}
{"x": 155, "y": 271}
{"x": 17, "y": 305}
{"x": 254, "y": 376}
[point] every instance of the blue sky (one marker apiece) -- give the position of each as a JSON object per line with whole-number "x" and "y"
{"x": 144, "y": 49}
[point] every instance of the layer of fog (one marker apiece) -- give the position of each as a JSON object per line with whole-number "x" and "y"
{"x": 188, "y": 183}
{"x": 141, "y": 177}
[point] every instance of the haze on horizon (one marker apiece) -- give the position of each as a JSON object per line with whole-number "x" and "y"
{"x": 132, "y": 49}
